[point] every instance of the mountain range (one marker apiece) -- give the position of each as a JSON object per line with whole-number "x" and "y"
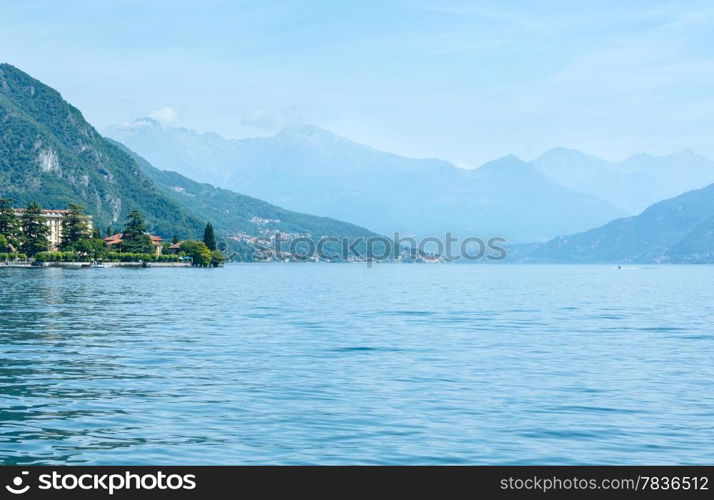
{"x": 309, "y": 169}
{"x": 678, "y": 230}
{"x": 236, "y": 213}
{"x": 50, "y": 154}
{"x": 633, "y": 184}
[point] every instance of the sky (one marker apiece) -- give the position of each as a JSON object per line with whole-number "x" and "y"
{"x": 464, "y": 81}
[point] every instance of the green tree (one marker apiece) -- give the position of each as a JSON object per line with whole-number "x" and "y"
{"x": 75, "y": 227}
{"x": 135, "y": 223}
{"x": 198, "y": 251}
{"x": 34, "y": 230}
{"x": 208, "y": 237}
{"x": 136, "y": 239}
{"x": 9, "y": 225}
{"x": 217, "y": 258}
{"x": 174, "y": 240}
{"x": 93, "y": 248}
{"x": 4, "y": 245}
{"x": 109, "y": 231}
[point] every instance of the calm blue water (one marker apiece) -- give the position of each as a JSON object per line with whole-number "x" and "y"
{"x": 336, "y": 364}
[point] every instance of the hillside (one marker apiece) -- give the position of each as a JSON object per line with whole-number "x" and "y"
{"x": 50, "y": 154}
{"x": 697, "y": 247}
{"x": 383, "y": 191}
{"x": 235, "y": 213}
{"x": 510, "y": 193}
{"x": 678, "y": 230}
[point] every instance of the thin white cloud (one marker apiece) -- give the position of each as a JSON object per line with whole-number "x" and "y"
{"x": 166, "y": 116}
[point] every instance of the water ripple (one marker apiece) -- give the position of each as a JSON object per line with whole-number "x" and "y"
{"x": 337, "y": 364}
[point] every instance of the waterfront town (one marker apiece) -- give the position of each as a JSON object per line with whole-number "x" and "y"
{"x": 37, "y": 237}
{"x": 33, "y": 236}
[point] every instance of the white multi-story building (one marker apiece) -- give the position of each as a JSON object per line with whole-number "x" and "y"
{"x": 53, "y": 219}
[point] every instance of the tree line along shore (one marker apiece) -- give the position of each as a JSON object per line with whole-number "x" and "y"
{"x": 36, "y": 236}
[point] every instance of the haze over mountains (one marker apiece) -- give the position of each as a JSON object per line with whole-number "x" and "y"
{"x": 311, "y": 170}
{"x": 679, "y": 230}
{"x": 50, "y": 154}
{"x": 632, "y": 184}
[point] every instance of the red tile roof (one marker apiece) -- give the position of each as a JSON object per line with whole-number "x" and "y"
{"x": 117, "y": 238}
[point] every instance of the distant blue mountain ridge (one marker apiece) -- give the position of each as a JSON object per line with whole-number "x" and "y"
{"x": 679, "y": 230}
{"x": 308, "y": 169}
{"x": 633, "y": 184}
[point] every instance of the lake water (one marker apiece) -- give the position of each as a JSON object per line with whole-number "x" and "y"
{"x": 340, "y": 364}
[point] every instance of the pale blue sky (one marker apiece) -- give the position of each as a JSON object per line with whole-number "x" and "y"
{"x": 463, "y": 81}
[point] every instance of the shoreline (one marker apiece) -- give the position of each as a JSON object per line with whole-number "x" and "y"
{"x": 88, "y": 265}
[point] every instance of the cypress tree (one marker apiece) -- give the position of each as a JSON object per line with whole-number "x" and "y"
{"x": 209, "y": 238}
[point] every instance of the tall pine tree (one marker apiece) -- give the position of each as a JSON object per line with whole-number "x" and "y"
{"x": 34, "y": 230}
{"x": 208, "y": 237}
{"x": 75, "y": 226}
{"x": 9, "y": 224}
{"x": 136, "y": 239}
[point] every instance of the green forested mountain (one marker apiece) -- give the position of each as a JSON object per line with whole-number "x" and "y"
{"x": 50, "y": 154}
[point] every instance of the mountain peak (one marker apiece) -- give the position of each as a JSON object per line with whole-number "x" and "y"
{"x": 145, "y": 122}
{"x": 683, "y": 155}
{"x": 562, "y": 150}
{"x": 686, "y": 154}
{"x": 5, "y": 67}
{"x": 508, "y": 161}
{"x": 136, "y": 126}
{"x": 640, "y": 157}
{"x": 562, "y": 154}
{"x": 310, "y": 134}
{"x": 18, "y": 85}
{"x": 304, "y": 130}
